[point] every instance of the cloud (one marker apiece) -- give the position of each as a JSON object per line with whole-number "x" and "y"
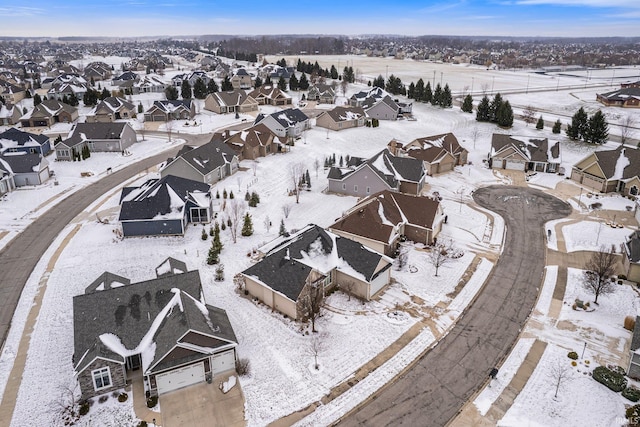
{"x": 588, "y": 3}
{"x": 21, "y": 11}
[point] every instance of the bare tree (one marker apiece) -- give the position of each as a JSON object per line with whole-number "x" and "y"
{"x": 626, "y": 127}
{"x": 343, "y": 85}
{"x": 598, "y": 269}
{"x": 474, "y": 135}
{"x": 317, "y": 345}
{"x": 528, "y": 115}
{"x": 267, "y": 223}
{"x": 236, "y": 214}
{"x": 286, "y": 210}
{"x": 169, "y": 126}
{"x": 295, "y": 173}
{"x": 348, "y": 287}
{"x": 561, "y": 375}
{"x": 316, "y": 165}
{"x": 254, "y": 167}
{"x": 239, "y": 182}
{"x": 313, "y": 302}
{"x": 441, "y": 254}
{"x": 67, "y": 406}
{"x": 403, "y": 256}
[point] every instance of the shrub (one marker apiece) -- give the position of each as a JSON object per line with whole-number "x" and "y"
{"x": 631, "y": 393}
{"x": 572, "y": 355}
{"x": 84, "y": 407}
{"x": 622, "y": 277}
{"x": 614, "y": 380}
{"x": 243, "y": 367}
{"x": 633, "y": 415}
{"x": 142, "y": 424}
{"x": 629, "y": 323}
{"x": 618, "y": 369}
{"x": 122, "y": 397}
{"x": 152, "y": 401}
{"x": 574, "y": 363}
{"x": 103, "y": 398}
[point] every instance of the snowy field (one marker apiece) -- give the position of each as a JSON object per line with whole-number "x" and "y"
{"x": 283, "y": 379}
{"x": 591, "y": 235}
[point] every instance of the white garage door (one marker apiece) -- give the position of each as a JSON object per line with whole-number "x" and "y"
{"x": 179, "y": 378}
{"x": 224, "y": 361}
{"x": 515, "y": 165}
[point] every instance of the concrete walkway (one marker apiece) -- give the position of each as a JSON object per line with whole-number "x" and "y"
{"x": 140, "y": 400}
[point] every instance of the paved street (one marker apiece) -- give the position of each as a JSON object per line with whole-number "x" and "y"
{"x": 20, "y": 256}
{"x": 437, "y": 386}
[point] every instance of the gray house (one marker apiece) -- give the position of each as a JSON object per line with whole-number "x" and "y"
{"x": 377, "y": 104}
{"x": 7, "y": 183}
{"x": 208, "y": 163}
{"x": 524, "y": 153}
{"x": 160, "y": 326}
{"x": 166, "y": 110}
{"x": 384, "y": 171}
{"x": 26, "y": 169}
{"x": 109, "y": 137}
{"x": 288, "y": 123}
{"x": 165, "y": 206}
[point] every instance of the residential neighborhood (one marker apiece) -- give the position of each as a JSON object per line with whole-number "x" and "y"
{"x": 192, "y": 236}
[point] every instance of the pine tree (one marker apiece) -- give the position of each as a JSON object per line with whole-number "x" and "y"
{"x": 140, "y": 108}
{"x": 258, "y": 82}
{"x": 494, "y": 107}
{"x": 226, "y": 84}
{"x": 598, "y": 129}
{"x": 247, "y": 226}
{"x": 247, "y": 196}
{"x": 428, "y": 94}
{"x": 411, "y": 92}
{"x": 217, "y": 194}
{"x": 37, "y": 99}
{"x": 379, "y": 81}
{"x": 482, "y": 114}
{"x": 579, "y": 124}
{"x": 419, "y": 91}
{"x": 283, "y": 231}
{"x": 171, "y": 93}
{"x": 204, "y": 235}
{"x": 333, "y": 73}
{"x": 105, "y": 94}
{"x": 293, "y": 82}
{"x": 467, "y": 104}
{"x": 437, "y": 95}
{"x": 212, "y": 86}
{"x": 282, "y": 84}
{"x": 540, "y": 123}
{"x": 224, "y": 193}
{"x": 231, "y": 196}
{"x": 557, "y": 127}
{"x": 199, "y": 89}
{"x": 303, "y": 84}
{"x": 504, "y": 115}
{"x": 307, "y": 179}
{"x": 185, "y": 90}
{"x": 447, "y": 100}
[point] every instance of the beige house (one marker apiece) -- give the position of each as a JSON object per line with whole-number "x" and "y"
{"x": 524, "y": 153}
{"x": 257, "y": 141}
{"x": 439, "y": 153}
{"x": 111, "y": 109}
{"x": 611, "y": 170}
{"x": 235, "y": 101}
{"x": 241, "y": 79}
{"x": 313, "y": 257}
{"x": 270, "y": 95}
{"x": 341, "y": 118}
{"x": 48, "y": 113}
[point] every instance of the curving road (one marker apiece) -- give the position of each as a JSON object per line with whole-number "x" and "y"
{"x": 20, "y": 256}
{"x": 434, "y": 390}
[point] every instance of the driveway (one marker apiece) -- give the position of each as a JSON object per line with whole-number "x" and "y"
{"x": 434, "y": 390}
{"x": 203, "y": 405}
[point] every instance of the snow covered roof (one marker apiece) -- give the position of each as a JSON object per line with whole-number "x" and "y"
{"x": 286, "y": 266}
{"x": 534, "y": 149}
{"x": 207, "y": 157}
{"x": 622, "y": 163}
{"x": 13, "y": 138}
{"x": 147, "y": 318}
{"x": 346, "y": 113}
{"x": 163, "y": 198}
{"x": 21, "y": 162}
{"x": 621, "y": 94}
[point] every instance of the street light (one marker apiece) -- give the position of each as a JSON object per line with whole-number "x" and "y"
{"x": 471, "y": 85}
{"x": 492, "y": 84}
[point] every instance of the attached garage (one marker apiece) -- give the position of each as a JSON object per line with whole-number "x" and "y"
{"x": 517, "y": 165}
{"x": 179, "y": 378}
{"x": 221, "y": 362}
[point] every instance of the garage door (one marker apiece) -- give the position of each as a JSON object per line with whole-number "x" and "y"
{"x": 179, "y": 378}
{"x": 515, "y": 165}
{"x": 224, "y": 361}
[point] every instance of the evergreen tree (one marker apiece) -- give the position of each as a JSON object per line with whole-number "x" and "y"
{"x": 428, "y": 94}
{"x": 37, "y": 99}
{"x": 540, "y": 123}
{"x": 226, "y": 84}
{"x": 307, "y": 179}
{"x": 258, "y": 82}
{"x": 231, "y": 196}
{"x": 293, "y": 82}
{"x": 411, "y": 92}
{"x": 419, "y": 91}
{"x": 267, "y": 81}
{"x": 247, "y": 196}
{"x": 379, "y": 81}
{"x": 598, "y": 130}
{"x": 185, "y": 90}
{"x": 171, "y": 93}
{"x": 504, "y": 115}
{"x": 303, "y": 84}
{"x": 333, "y": 73}
{"x": 65, "y": 100}
{"x": 557, "y": 127}
{"x": 90, "y": 97}
{"x": 140, "y": 108}
{"x": 224, "y": 193}
{"x": 482, "y": 113}
{"x": 579, "y": 125}
{"x": 467, "y": 104}
{"x": 104, "y": 94}
{"x": 212, "y": 86}
{"x": 283, "y": 231}
{"x": 447, "y": 100}
{"x": 217, "y": 194}
{"x": 73, "y": 100}
{"x": 247, "y": 226}
{"x": 494, "y": 107}
{"x": 437, "y": 96}
{"x": 204, "y": 235}
{"x": 282, "y": 84}
{"x": 199, "y": 89}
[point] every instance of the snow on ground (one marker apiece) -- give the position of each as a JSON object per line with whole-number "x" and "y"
{"x": 591, "y": 235}
{"x": 546, "y": 293}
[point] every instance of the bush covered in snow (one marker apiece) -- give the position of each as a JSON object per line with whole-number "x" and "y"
{"x": 631, "y": 393}
{"x": 614, "y": 380}
{"x": 572, "y": 355}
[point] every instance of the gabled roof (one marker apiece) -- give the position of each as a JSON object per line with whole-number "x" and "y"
{"x": 533, "y": 149}
{"x": 268, "y": 91}
{"x": 21, "y": 162}
{"x": 229, "y": 98}
{"x": 255, "y": 136}
{"x": 378, "y": 216}
{"x": 159, "y": 198}
{"x": 169, "y": 106}
{"x": 146, "y": 318}
{"x": 82, "y": 132}
{"x": 287, "y": 265}
{"x": 113, "y": 104}
{"x": 390, "y": 168}
{"x": 287, "y": 118}
{"x": 207, "y": 157}
{"x": 345, "y": 113}
{"x": 622, "y": 94}
{"x": 49, "y": 108}
{"x": 445, "y": 141}
{"x": 16, "y": 138}
{"x": 622, "y": 163}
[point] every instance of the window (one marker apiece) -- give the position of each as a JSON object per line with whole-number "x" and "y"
{"x": 355, "y": 188}
{"x": 101, "y": 378}
{"x": 633, "y": 191}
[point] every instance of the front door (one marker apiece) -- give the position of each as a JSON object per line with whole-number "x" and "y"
{"x": 133, "y": 362}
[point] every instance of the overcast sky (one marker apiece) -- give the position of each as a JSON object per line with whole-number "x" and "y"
{"x": 129, "y": 18}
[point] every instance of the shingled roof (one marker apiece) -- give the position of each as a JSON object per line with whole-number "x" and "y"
{"x": 207, "y": 157}
{"x": 621, "y": 163}
{"x": 15, "y": 137}
{"x": 534, "y": 149}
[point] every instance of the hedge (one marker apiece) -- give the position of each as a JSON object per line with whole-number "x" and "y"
{"x": 609, "y": 378}
{"x": 631, "y": 393}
